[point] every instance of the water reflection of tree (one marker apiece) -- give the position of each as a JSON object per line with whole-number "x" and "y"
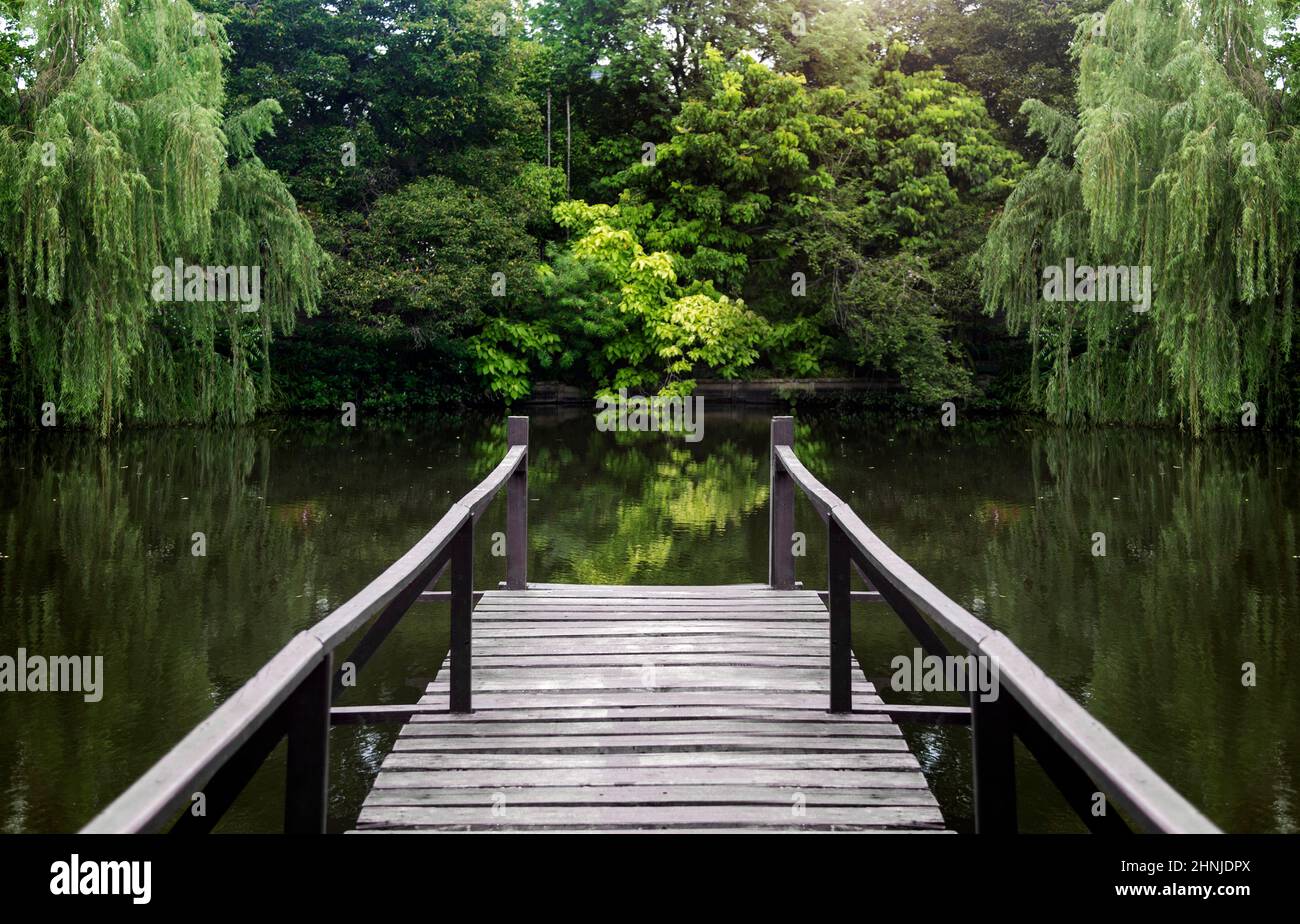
{"x": 97, "y": 544}
{"x": 97, "y": 539}
{"x": 646, "y": 508}
{"x": 1199, "y": 577}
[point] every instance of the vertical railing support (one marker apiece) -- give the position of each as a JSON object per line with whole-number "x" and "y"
{"x": 306, "y": 784}
{"x": 839, "y": 602}
{"x": 993, "y": 760}
{"x": 517, "y": 510}
{"x": 780, "y": 524}
{"x": 462, "y": 611}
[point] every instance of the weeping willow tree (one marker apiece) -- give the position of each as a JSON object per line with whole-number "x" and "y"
{"x": 1178, "y": 161}
{"x": 120, "y": 161}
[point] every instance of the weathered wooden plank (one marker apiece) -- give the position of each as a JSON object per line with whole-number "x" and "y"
{"x": 783, "y": 795}
{"x": 633, "y": 830}
{"x": 874, "y": 713}
{"x": 623, "y": 614}
{"x": 697, "y": 644}
{"x": 695, "y": 816}
{"x": 649, "y": 744}
{"x": 664, "y": 675}
{"x": 659, "y": 659}
{"x": 779, "y": 680}
{"x": 615, "y": 709}
{"x": 632, "y": 596}
{"x": 616, "y": 699}
{"x": 624, "y": 590}
{"x": 625, "y": 715}
{"x": 814, "y": 608}
{"x": 758, "y": 726}
{"x": 643, "y": 629}
{"x": 579, "y": 683}
{"x": 401, "y": 760}
{"x": 851, "y": 779}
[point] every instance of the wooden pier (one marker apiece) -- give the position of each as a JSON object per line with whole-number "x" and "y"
{"x": 684, "y": 708}
{"x": 650, "y": 709}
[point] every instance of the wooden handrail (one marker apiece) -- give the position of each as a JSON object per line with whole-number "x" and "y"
{"x": 170, "y": 783}
{"x": 291, "y": 694}
{"x": 1074, "y": 748}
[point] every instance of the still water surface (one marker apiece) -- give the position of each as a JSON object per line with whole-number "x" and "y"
{"x": 1200, "y": 577}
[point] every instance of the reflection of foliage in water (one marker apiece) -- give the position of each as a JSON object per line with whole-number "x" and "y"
{"x": 655, "y": 509}
{"x": 96, "y": 539}
{"x": 1199, "y": 577}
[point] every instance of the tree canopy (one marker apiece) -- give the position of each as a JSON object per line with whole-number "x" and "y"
{"x": 120, "y": 159}
{"x": 450, "y": 200}
{"x": 1179, "y": 160}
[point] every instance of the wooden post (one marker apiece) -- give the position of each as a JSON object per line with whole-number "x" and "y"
{"x": 993, "y": 760}
{"x": 839, "y": 602}
{"x": 517, "y": 510}
{"x": 780, "y": 554}
{"x": 462, "y": 611}
{"x": 306, "y": 785}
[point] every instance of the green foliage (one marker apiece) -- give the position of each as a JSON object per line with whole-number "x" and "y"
{"x": 502, "y": 352}
{"x": 334, "y": 363}
{"x": 1008, "y": 51}
{"x": 422, "y": 261}
{"x": 121, "y": 161}
{"x": 1180, "y": 163}
{"x": 815, "y": 204}
{"x": 764, "y": 178}
{"x": 409, "y": 82}
{"x": 416, "y": 141}
{"x": 655, "y": 331}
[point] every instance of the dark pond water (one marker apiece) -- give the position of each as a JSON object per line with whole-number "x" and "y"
{"x": 1201, "y": 576}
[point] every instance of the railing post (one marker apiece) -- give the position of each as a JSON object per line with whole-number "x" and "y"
{"x": 517, "y": 509}
{"x": 993, "y": 761}
{"x": 306, "y": 784}
{"x": 839, "y": 602}
{"x": 780, "y": 524}
{"x": 462, "y": 611}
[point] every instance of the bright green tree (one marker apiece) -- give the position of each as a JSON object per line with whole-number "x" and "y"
{"x": 806, "y": 202}
{"x": 653, "y": 331}
{"x": 121, "y": 162}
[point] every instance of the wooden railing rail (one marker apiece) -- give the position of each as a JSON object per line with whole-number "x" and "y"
{"x": 1082, "y": 757}
{"x": 292, "y": 694}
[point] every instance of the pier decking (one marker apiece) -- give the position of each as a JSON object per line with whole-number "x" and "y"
{"x": 598, "y": 708}
{"x": 660, "y": 709}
